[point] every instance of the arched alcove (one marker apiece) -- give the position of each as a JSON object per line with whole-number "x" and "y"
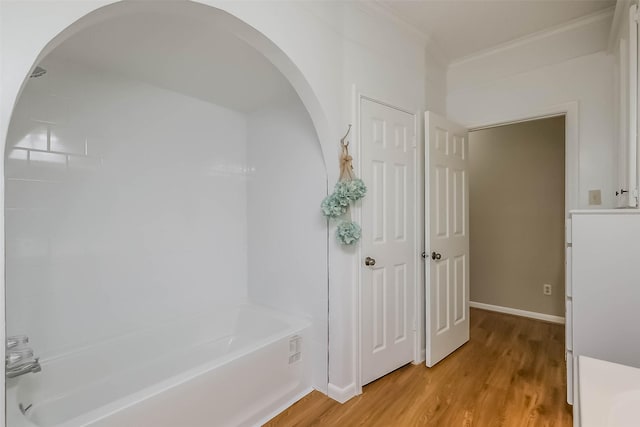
{"x": 163, "y": 169}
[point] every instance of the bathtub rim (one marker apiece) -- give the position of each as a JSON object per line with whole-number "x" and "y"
{"x": 296, "y": 325}
{"x": 238, "y": 306}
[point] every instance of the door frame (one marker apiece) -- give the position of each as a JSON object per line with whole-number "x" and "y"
{"x": 570, "y": 111}
{"x": 356, "y": 145}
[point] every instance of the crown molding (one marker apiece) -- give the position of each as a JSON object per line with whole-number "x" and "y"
{"x": 432, "y": 47}
{"x": 424, "y": 39}
{"x": 622, "y": 6}
{"x": 602, "y": 15}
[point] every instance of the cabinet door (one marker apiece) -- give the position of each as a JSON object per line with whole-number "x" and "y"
{"x": 605, "y": 286}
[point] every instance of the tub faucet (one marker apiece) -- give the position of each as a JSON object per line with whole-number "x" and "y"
{"x": 16, "y": 341}
{"x": 17, "y": 357}
{"x": 32, "y": 366}
{"x": 19, "y": 361}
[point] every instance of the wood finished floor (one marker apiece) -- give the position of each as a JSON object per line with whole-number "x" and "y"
{"x": 511, "y": 373}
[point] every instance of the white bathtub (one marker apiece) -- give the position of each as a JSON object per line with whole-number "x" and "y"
{"x": 235, "y": 367}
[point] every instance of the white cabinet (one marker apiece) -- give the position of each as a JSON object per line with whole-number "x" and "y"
{"x": 603, "y": 301}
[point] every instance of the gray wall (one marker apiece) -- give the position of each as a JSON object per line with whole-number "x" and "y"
{"x": 516, "y": 184}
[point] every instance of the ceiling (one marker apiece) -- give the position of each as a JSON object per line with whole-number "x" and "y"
{"x": 163, "y": 48}
{"x": 460, "y": 28}
{"x": 181, "y": 54}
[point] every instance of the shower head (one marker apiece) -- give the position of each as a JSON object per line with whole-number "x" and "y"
{"x": 38, "y": 72}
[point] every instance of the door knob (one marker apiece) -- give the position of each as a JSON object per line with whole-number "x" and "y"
{"x": 369, "y": 261}
{"x": 435, "y": 256}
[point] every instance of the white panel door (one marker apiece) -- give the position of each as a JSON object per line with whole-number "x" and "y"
{"x": 388, "y": 141}
{"x": 447, "y": 237}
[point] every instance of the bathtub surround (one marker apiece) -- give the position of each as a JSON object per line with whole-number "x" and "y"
{"x": 111, "y": 189}
{"x": 136, "y": 209}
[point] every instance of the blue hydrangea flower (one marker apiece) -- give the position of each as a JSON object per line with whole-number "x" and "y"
{"x": 350, "y": 191}
{"x": 357, "y": 189}
{"x": 348, "y": 232}
{"x": 332, "y": 207}
{"x": 341, "y": 194}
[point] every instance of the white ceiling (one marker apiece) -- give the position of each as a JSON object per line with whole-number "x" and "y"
{"x": 180, "y": 54}
{"x": 460, "y": 28}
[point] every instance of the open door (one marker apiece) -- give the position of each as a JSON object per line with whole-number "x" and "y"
{"x": 447, "y": 237}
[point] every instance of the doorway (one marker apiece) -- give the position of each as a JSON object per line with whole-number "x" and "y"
{"x": 517, "y": 206}
{"x": 441, "y": 290}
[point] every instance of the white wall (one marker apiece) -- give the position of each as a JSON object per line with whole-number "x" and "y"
{"x": 141, "y": 219}
{"x": 286, "y": 230}
{"x": 587, "y": 79}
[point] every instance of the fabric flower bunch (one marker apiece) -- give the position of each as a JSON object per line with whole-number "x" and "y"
{"x": 337, "y": 204}
{"x": 348, "y": 232}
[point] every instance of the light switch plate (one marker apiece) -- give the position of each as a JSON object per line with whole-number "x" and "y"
{"x": 595, "y": 197}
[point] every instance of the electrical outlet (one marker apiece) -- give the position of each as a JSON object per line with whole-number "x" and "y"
{"x": 595, "y": 197}
{"x": 546, "y": 289}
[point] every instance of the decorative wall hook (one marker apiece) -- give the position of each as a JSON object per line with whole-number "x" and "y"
{"x": 345, "y": 137}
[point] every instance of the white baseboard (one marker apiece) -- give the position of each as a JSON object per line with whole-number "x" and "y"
{"x": 517, "y": 312}
{"x": 341, "y": 394}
